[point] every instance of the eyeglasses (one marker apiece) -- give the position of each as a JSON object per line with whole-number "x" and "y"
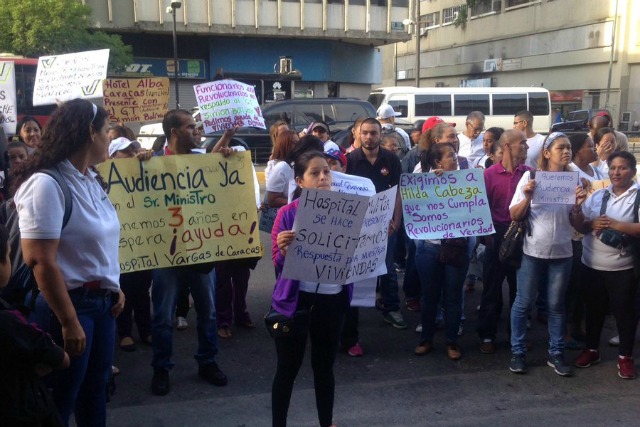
{"x": 319, "y": 130}
{"x": 518, "y": 122}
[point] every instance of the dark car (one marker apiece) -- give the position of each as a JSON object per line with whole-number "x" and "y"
{"x": 338, "y": 113}
{"x": 577, "y": 121}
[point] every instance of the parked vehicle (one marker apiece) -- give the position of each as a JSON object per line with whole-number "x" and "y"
{"x": 577, "y": 121}
{"x": 452, "y": 104}
{"x": 338, "y": 113}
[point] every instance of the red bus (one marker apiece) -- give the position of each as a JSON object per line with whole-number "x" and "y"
{"x": 25, "y": 79}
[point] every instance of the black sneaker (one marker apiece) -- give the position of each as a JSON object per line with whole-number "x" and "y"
{"x": 560, "y": 367}
{"x": 160, "y": 384}
{"x": 212, "y": 374}
{"x": 518, "y": 365}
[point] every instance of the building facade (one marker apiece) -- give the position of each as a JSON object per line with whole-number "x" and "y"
{"x": 586, "y": 52}
{"x": 286, "y": 48}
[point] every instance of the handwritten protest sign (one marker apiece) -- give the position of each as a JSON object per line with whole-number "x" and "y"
{"x": 8, "y": 113}
{"x": 352, "y": 184}
{"x": 228, "y": 103}
{"x": 69, "y": 76}
{"x": 340, "y": 238}
{"x": 136, "y": 100}
{"x": 181, "y": 210}
{"x": 556, "y": 188}
{"x": 452, "y": 205}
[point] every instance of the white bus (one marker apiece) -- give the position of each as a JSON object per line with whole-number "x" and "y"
{"x": 499, "y": 104}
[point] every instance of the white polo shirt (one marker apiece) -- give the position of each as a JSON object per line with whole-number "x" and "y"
{"x": 551, "y": 230}
{"x": 596, "y": 254}
{"x": 472, "y": 150}
{"x": 88, "y": 248}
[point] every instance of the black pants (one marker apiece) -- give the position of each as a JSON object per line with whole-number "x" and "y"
{"x": 615, "y": 290}
{"x": 137, "y": 304}
{"x": 350, "y": 334}
{"x": 574, "y": 305}
{"x": 494, "y": 273}
{"x": 327, "y": 317}
{"x": 182, "y": 304}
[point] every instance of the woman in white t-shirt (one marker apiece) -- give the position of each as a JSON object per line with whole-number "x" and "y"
{"x": 609, "y": 220}
{"x": 76, "y": 265}
{"x": 279, "y": 174}
{"x": 547, "y": 255}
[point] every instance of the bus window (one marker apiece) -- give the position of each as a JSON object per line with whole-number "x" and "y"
{"x": 509, "y": 104}
{"x": 433, "y": 105}
{"x": 539, "y": 104}
{"x": 400, "y": 106}
{"x": 464, "y": 104}
{"x": 375, "y": 99}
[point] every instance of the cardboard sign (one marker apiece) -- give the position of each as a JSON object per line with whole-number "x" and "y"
{"x": 183, "y": 209}
{"x": 340, "y": 238}
{"x": 136, "y": 100}
{"x": 228, "y": 103}
{"x": 61, "y": 78}
{"x": 556, "y": 188}
{"x": 441, "y": 207}
{"x": 8, "y": 107}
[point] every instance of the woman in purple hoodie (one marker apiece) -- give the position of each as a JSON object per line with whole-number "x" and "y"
{"x": 330, "y": 303}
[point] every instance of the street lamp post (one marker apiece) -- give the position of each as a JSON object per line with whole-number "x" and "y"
{"x": 416, "y": 29}
{"x": 175, "y": 5}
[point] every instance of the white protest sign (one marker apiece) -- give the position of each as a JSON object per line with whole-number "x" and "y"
{"x": 364, "y": 291}
{"x": 441, "y": 207}
{"x": 369, "y": 257}
{"x": 555, "y": 188}
{"x": 8, "y": 107}
{"x": 328, "y": 228}
{"x": 228, "y": 103}
{"x": 352, "y": 184}
{"x": 70, "y": 76}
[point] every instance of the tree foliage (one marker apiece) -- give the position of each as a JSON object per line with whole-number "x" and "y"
{"x": 49, "y": 27}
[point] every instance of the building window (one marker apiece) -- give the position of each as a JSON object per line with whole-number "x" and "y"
{"x": 512, "y": 3}
{"x": 430, "y": 20}
{"x": 451, "y": 13}
{"x": 488, "y": 6}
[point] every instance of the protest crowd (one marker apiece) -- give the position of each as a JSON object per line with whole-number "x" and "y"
{"x": 568, "y": 257}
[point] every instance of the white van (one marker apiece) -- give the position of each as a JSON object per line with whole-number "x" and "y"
{"x": 499, "y": 104}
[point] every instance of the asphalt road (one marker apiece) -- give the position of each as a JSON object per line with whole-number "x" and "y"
{"x": 389, "y": 386}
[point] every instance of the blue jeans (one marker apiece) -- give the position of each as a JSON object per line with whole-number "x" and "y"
{"x": 553, "y": 275}
{"x": 438, "y": 279}
{"x": 164, "y": 295}
{"x": 81, "y": 388}
{"x": 389, "y": 282}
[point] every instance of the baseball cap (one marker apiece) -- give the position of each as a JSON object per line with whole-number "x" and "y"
{"x": 386, "y": 111}
{"x": 337, "y": 155}
{"x": 120, "y": 144}
{"x": 317, "y": 125}
{"x": 431, "y": 122}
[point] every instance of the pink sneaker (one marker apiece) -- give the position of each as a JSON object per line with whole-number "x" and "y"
{"x": 587, "y": 358}
{"x": 355, "y": 350}
{"x": 626, "y": 370}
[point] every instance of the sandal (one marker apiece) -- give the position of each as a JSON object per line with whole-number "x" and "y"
{"x": 224, "y": 332}
{"x": 127, "y": 344}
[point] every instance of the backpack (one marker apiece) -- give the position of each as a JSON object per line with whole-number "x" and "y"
{"x": 22, "y": 280}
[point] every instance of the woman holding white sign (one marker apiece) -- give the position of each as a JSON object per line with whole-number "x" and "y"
{"x": 609, "y": 220}
{"x": 547, "y": 257}
{"x": 442, "y": 268}
{"x": 323, "y": 307}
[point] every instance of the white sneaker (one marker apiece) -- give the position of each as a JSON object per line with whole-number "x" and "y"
{"x": 615, "y": 341}
{"x": 182, "y": 324}
{"x": 419, "y": 328}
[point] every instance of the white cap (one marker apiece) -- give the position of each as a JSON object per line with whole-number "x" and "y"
{"x": 120, "y": 144}
{"x": 386, "y": 111}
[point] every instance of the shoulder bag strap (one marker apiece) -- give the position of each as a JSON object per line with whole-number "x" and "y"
{"x": 605, "y": 200}
{"x": 54, "y": 173}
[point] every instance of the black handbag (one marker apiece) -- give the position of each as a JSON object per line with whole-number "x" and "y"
{"x": 281, "y": 326}
{"x": 510, "y": 251}
{"x": 454, "y": 252}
